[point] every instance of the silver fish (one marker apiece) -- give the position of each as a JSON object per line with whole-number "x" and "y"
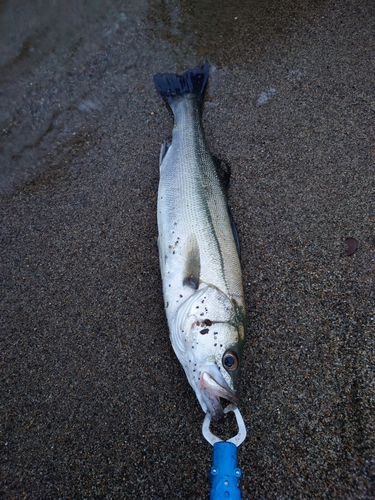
{"x": 199, "y": 256}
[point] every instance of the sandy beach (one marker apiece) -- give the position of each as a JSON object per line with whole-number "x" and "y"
{"x": 94, "y": 404}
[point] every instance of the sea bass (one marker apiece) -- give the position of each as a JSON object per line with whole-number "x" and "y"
{"x": 198, "y": 251}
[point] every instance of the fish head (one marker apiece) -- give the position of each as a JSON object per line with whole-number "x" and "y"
{"x": 210, "y": 350}
{"x": 218, "y": 371}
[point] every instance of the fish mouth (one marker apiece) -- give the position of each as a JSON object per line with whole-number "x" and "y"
{"x": 214, "y": 392}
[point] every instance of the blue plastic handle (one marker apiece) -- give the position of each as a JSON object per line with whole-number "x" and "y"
{"x": 224, "y": 472}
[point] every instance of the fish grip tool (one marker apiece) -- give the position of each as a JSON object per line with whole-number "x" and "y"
{"x": 224, "y": 472}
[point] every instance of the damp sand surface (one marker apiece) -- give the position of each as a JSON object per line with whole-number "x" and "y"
{"x": 94, "y": 404}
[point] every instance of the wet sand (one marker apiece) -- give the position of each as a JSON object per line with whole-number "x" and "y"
{"x": 94, "y": 403}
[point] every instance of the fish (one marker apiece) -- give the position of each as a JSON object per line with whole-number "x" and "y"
{"x": 199, "y": 250}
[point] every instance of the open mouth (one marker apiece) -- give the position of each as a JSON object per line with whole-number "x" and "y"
{"x": 215, "y": 391}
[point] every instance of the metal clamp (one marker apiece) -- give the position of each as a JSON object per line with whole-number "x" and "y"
{"x": 237, "y": 439}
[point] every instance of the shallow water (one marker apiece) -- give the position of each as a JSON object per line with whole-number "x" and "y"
{"x": 45, "y": 47}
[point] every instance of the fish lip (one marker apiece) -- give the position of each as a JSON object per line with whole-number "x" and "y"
{"x": 214, "y": 392}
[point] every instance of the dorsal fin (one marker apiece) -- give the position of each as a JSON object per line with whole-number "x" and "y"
{"x": 223, "y": 171}
{"x": 235, "y": 233}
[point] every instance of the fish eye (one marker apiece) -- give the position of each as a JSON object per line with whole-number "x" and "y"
{"x": 230, "y": 361}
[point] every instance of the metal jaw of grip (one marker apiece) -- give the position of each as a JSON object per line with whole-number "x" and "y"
{"x": 224, "y": 472}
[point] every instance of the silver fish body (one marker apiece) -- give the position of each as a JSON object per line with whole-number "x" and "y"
{"x": 199, "y": 261}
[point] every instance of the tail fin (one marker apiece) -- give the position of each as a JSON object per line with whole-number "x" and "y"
{"x": 172, "y": 86}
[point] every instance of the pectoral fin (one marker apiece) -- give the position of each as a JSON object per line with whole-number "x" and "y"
{"x": 192, "y": 264}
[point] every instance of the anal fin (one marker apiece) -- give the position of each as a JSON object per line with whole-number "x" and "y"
{"x": 163, "y": 151}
